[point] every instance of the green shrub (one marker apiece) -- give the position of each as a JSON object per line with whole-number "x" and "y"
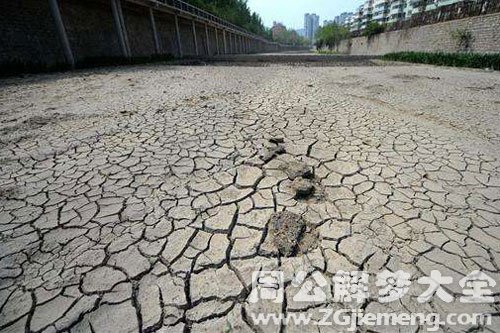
{"x": 471, "y": 60}
{"x": 464, "y": 38}
{"x": 373, "y": 28}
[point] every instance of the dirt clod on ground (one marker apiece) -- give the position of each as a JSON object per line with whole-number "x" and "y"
{"x": 277, "y": 140}
{"x": 304, "y": 188}
{"x": 268, "y": 153}
{"x": 287, "y": 230}
{"x": 291, "y": 234}
{"x": 298, "y": 169}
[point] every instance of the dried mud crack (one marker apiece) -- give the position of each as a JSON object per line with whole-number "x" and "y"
{"x": 142, "y": 199}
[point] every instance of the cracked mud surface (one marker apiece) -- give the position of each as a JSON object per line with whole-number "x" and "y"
{"x": 136, "y": 199}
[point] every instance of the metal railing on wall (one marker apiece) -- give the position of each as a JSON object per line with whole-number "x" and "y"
{"x": 450, "y": 12}
{"x": 455, "y": 11}
{"x": 189, "y": 9}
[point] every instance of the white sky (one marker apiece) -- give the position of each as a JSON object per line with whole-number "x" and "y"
{"x": 291, "y": 12}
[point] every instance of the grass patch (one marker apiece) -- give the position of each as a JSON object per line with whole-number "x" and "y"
{"x": 470, "y": 60}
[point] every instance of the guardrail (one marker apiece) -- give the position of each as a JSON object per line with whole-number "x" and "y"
{"x": 450, "y": 12}
{"x": 189, "y": 9}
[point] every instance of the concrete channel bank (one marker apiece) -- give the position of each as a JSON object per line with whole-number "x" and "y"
{"x": 52, "y": 33}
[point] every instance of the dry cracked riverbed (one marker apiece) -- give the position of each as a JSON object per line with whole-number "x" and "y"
{"x": 142, "y": 199}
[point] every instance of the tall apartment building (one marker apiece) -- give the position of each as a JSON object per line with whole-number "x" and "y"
{"x": 343, "y": 19}
{"x": 356, "y": 19}
{"x": 391, "y": 11}
{"x": 367, "y": 14}
{"x": 397, "y": 10}
{"x": 311, "y": 25}
{"x": 381, "y": 10}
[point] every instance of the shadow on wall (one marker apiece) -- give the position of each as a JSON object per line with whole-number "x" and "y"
{"x": 20, "y": 67}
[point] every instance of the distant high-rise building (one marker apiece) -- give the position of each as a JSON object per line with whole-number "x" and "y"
{"x": 311, "y": 25}
{"x": 301, "y": 32}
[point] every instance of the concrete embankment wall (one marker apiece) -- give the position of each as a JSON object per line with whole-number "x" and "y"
{"x": 440, "y": 37}
{"x": 44, "y": 34}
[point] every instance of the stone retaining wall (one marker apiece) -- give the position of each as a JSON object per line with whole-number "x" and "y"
{"x": 440, "y": 37}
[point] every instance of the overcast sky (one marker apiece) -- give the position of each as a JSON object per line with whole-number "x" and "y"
{"x": 291, "y": 12}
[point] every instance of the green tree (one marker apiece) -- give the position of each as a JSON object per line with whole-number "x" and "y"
{"x": 290, "y": 37}
{"x": 236, "y": 12}
{"x": 331, "y": 35}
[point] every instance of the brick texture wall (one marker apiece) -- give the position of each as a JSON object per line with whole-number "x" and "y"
{"x": 201, "y": 39}
{"x": 139, "y": 30}
{"x": 212, "y": 41}
{"x": 220, "y": 35}
{"x": 91, "y": 29}
{"x": 186, "y": 32}
{"x": 440, "y": 37}
{"x": 231, "y": 43}
{"x": 28, "y": 34}
{"x": 165, "y": 25}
